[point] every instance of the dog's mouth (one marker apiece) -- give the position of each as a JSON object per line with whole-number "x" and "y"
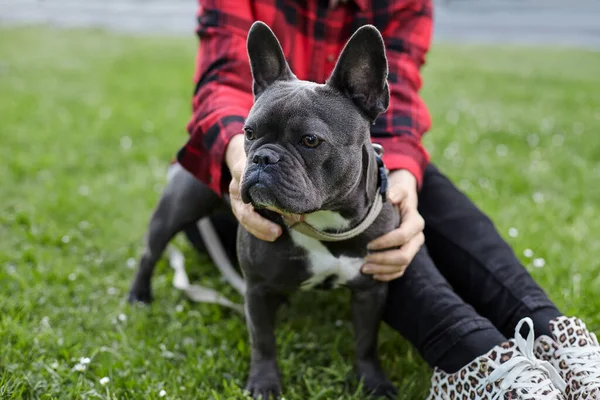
{"x": 263, "y": 197}
{"x": 254, "y": 194}
{"x": 290, "y": 218}
{"x": 247, "y": 184}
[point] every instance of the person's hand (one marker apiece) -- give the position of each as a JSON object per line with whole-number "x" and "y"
{"x": 262, "y": 228}
{"x": 391, "y": 264}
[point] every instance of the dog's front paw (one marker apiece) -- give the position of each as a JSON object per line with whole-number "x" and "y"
{"x": 263, "y": 382}
{"x": 375, "y": 382}
{"x": 383, "y": 389}
{"x": 137, "y": 295}
{"x": 264, "y": 390}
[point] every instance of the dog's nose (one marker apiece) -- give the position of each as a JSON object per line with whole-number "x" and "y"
{"x": 265, "y": 157}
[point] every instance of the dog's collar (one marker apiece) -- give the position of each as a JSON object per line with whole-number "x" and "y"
{"x": 380, "y": 198}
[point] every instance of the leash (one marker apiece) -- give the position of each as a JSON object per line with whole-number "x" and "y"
{"x": 218, "y": 255}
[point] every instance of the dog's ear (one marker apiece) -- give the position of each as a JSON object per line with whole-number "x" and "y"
{"x": 267, "y": 60}
{"x": 361, "y": 72}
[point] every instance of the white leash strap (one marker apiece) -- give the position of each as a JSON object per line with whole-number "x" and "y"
{"x": 198, "y": 293}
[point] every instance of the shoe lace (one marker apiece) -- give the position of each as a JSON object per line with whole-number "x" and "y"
{"x": 534, "y": 378}
{"x": 585, "y": 364}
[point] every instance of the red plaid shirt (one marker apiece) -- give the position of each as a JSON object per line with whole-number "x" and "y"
{"x": 312, "y": 36}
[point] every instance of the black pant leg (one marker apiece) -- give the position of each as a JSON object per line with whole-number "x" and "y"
{"x": 423, "y": 308}
{"x": 481, "y": 267}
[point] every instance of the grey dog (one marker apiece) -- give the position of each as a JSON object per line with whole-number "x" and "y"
{"x": 309, "y": 154}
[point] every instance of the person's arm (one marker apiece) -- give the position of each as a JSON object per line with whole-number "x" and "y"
{"x": 223, "y": 91}
{"x": 222, "y": 99}
{"x": 399, "y": 130}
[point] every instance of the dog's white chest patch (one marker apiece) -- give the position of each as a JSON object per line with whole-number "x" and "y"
{"x": 322, "y": 263}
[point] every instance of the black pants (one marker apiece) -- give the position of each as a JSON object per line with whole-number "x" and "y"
{"x": 465, "y": 290}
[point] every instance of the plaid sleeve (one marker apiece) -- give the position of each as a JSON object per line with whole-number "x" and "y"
{"x": 407, "y": 37}
{"x": 223, "y": 90}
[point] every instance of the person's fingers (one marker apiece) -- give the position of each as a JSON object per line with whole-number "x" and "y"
{"x": 388, "y": 278}
{"x": 390, "y": 257}
{"x": 253, "y": 222}
{"x": 237, "y": 173}
{"x": 412, "y": 224}
{"x": 380, "y": 269}
{"x": 258, "y": 226}
{"x": 402, "y": 186}
{"x": 397, "y": 193}
{"x": 403, "y": 255}
{"x": 393, "y": 262}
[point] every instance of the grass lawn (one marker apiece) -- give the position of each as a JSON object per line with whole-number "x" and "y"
{"x": 88, "y": 123}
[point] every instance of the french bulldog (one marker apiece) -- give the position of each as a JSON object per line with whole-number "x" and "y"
{"x": 311, "y": 168}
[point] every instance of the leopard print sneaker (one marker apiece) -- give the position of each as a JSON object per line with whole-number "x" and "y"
{"x": 502, "y": 373}
{"x": 575, "y": 353}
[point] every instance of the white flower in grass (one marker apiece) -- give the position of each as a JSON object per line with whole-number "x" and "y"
{"x": 79, "y": 367}
{"x": 513, "y": 232}
{"x": 126, "y": 142}
{"x": 577, "y": 284}
{"x": 533, "y": 140}
{"x": 54, "y": 365}
{"x": 84, "y": 360}
{"x": 528, "y": 253}
{"x": 122, "y": 317}
{"x": 539, "y": 262}
{"x": 162, "y": 393}
{"x": 538, "y": 197}
{"x": 104, "y": 381}
{"x": 501, "y": 150}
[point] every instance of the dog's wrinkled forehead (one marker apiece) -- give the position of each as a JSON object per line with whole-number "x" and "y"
{"x": 303, "y": 105}
{"x": 354, "y": 95}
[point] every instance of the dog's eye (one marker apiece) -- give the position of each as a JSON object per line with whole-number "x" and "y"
{"x": 249, "y": 133}
{"x": 311, "y": 141}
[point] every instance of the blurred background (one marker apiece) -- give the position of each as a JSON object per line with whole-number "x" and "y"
{"x": 94, "y": 99}
{"x": 554, "y": 22}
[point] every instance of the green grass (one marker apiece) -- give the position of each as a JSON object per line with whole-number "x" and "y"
{"x": 518, "y": 130}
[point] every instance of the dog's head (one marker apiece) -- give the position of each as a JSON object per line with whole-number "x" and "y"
{"x": 308, "y": 144}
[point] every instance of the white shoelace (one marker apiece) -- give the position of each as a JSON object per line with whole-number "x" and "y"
{"x": 521, "y": 371}
{"x": 584, "y": 361}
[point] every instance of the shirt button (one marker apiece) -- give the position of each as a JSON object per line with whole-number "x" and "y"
{"x": 331, "y": 58}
